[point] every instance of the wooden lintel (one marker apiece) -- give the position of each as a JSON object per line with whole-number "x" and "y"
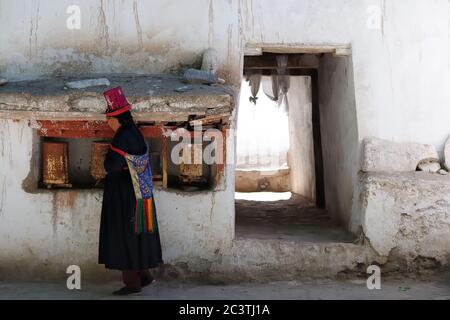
{"x": 79, "y": 116}
{"x": 76, "y": 134}
{"x": 90, "y": 129}
{"x": 269, "y": 61}
{"x": 291, "y": 72}
{"x": 310, "y": 48}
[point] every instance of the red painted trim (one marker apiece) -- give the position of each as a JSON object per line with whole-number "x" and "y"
{"x": 122, "y": 153}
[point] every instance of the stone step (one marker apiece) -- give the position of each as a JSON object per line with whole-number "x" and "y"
{"x": 264, "y": 260}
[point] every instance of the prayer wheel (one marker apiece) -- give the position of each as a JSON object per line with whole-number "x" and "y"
{"x": 192, "y": 170}
{"x": 55, "y": 163}
{"x": 98, "y": 153}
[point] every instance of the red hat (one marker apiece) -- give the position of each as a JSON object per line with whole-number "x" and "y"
{"x": 117, "y": 102}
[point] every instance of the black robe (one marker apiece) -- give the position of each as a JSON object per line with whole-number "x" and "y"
{"x": 119, "y": 247}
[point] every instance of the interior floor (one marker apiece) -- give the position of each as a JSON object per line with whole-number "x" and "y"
{"x": 293, "y": 218}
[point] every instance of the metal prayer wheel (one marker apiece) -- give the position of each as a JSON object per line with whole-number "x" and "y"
{"x": 191, "y": 171}
{"x": 98, "y": 154}
{"x": 55, "y": 163}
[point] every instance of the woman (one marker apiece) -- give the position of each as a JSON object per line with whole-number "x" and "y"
{"x": 122, "y": 246}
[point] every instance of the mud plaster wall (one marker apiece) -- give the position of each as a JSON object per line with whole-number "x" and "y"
{"x": 116, "y": 36}
{"x": 301, "y": 145}
{"x": 400, "y": 48}
{"x": 339, "y": 135}
{"x": 400, "y": 57}
{"x": 42, "y": 232}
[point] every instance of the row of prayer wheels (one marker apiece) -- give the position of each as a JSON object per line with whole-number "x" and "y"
{"x": 55, "y": 171}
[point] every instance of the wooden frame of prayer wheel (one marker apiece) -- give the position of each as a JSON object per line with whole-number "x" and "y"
{"x": 55, "y": 164}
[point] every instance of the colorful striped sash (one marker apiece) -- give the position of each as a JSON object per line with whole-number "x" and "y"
{"x": 145, "y": 212}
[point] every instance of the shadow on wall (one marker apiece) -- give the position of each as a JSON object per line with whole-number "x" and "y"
{"x": 339, "y": 130}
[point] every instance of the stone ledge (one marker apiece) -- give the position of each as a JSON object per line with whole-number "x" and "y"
{"x": 383, "y": 155}
{"x": 408, "y": 212}
{"x": 154, "y": 97}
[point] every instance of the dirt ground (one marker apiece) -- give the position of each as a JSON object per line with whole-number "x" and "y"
{"x": 393, "y": 288}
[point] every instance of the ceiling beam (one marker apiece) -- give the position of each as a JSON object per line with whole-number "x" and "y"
{"x": 269, "y": 61}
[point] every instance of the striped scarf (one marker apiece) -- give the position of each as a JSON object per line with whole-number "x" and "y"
{"x": 144, "y": 219}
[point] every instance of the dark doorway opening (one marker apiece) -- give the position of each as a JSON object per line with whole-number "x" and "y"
{"x": 297, "y": 211}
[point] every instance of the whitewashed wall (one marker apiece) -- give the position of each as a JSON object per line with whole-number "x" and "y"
{"x": 401, "y": 63}
{"x": 115, "y": 36}
{"x": 301, "y": 152}
{"x": 44, "y": 231}
{"x": 400, "y": 57}
{"x": 339, "y": 133}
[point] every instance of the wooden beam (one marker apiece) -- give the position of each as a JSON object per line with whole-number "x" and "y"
{"x": 283, "y": 48}
{"x": 292, "y": 72}
{"x": 90, "y": 129}
{"x": 154, "y": 131}
{"x": 269, "y": 61}
{"x": 165, "y": 161}
{"x": 253, "y": 51}
{"x": 80, "y": 134}
{"x": 80, "y": 116}
{"x": 220, "y": 167}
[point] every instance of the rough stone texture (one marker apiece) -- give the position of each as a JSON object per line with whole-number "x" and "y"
{"x": 387, "y": 156}
{"x": 429, "y": 166}
{"x": 253, "y": 259}
{"x": 409, "y": 212}
{"x": 273, "y": 260}
{"x": 447, "y": 154}
{"x": 147, "y": 93}
{"x": 294, "y": 219}
{"x": 257, "y": 180}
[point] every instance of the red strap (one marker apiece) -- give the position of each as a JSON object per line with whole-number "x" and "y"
{"x": 122, "y": 153}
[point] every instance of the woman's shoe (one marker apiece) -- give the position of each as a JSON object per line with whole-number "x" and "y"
{"x": 125, "y": 291}
{"x": 147, "y": 281}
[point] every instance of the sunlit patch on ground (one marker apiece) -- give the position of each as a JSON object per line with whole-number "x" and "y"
{"x": 263, "y": 196}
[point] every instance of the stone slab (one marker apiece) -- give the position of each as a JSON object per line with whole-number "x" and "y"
{"x": 387, "y": 156}
{"x": 49, "y": 98}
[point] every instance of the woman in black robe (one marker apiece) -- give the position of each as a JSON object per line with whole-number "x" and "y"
{"x": 120, "y": 248}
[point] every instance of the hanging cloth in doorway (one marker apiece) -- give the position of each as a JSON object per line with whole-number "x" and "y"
{"x": 276, "y": 86}
{"x": 141, "y": 176}
{"x": 254, "y": 79}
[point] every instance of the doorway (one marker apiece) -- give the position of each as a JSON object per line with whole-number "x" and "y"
{"x": 280, "y": 180}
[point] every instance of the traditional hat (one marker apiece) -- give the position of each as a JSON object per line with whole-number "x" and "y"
{"x": 117, "y": 102}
